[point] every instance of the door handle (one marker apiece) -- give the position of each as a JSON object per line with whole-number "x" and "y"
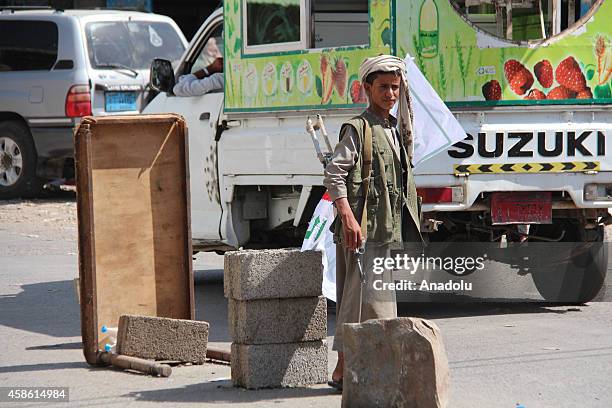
{"x": 205, "y": 116}
{"x": 225, "y": 125}
{"x": 232, "y": 123}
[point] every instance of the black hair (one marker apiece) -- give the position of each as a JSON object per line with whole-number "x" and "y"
{"x": 369, "y": 79}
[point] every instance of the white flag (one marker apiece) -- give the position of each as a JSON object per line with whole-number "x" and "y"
{"x": 319, "y": 237}
{"x": 435, "y": 127}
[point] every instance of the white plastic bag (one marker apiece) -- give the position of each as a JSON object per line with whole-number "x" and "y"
{"x": 319, "y": 237}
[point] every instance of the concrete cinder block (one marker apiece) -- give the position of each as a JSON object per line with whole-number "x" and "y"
{"x": 279, "y": 365}
{"x": 395, "y": 363}
{"x": 267, "y": 321}
{"x": 272, "y": 274}
{"x": 161, "y": 338}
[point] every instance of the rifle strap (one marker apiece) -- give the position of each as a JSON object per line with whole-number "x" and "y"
{"x": 366, "y": 172}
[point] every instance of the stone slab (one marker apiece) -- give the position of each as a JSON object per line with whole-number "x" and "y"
{"x": 395, "y": 363}
{"x": 279, "y": 365}
{"x": 267, "y": 321}
{"x": 272, "y": 274}
{"x": 162, "y": 338}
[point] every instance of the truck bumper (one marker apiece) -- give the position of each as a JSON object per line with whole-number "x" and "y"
{"x": 571, "y": 184}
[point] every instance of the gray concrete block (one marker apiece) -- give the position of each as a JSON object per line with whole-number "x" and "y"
{"x": 267, "y": 321}
{"x": 395, "y": 363}
{"x": 161, "y": 338}
{"x": 279, "y": 365}
{"x": 272, "y": 274}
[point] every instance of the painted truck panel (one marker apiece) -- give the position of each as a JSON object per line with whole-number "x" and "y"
{"x": 305, "y": 79}
{"x": 468, "y": 63}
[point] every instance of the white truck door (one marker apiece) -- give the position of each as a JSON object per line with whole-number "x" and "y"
{"x": 201, "y": 114}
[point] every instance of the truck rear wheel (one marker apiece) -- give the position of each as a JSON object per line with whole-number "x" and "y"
{"x": 574, "y": 272}
{"x": 17, "y": 162}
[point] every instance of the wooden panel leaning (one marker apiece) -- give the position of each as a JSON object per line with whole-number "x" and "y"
{"x": 134, "y": 221}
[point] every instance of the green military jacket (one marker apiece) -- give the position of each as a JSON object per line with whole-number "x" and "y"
{"x": 387, "y": 193}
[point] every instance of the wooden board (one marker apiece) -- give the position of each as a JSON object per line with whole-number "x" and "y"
{"x": 133, "y": 215}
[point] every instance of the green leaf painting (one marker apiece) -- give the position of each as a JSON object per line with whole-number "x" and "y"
{"x": 319, "y": 86}
{"x": 590, "y": 74}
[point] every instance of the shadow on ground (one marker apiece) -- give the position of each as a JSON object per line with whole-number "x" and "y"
{"x": 221, "y": 391}
{"x": 211, "y": 306}
{"x": 49, "y": 308}
{"x": 541, "y": 357}
{"x": 47, "y": 196}
{"x": 42, "y": 367}
{"x": 454, "y": 310}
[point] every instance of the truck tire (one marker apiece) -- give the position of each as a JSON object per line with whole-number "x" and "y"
{"x": 18, "y": 161}
{"x": 581, "y": 274}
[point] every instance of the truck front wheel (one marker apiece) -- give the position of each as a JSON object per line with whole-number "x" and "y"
{"x": 573, "y": 270}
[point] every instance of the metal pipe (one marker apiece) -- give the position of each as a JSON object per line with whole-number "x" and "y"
{"x": 135, "y": 363}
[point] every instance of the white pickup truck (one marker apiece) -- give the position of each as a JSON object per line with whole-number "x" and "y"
{"x": 535, "y": 105}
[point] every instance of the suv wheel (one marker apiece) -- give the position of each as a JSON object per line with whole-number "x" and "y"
{"x": 17, "y": 162}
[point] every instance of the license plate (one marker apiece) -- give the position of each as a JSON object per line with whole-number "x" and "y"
{"x": 120, "y": 101}
{"x": 521, "y": 208}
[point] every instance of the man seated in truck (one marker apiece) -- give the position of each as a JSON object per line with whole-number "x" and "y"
{"x": 370, "y": 173}
{"x": 203, "y": 81}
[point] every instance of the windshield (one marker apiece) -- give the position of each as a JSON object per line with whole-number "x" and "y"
{"x": 132, "y": 44}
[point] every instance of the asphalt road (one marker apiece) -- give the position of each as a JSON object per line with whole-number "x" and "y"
{"x": 500, "y": 355}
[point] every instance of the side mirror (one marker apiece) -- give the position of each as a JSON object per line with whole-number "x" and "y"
{"x": 162, "y": 75}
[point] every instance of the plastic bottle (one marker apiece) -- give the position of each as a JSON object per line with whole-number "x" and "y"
{"x": 429, "y": 29}
{"x": 109, "y": 339}
{"x": 111, "y": 331}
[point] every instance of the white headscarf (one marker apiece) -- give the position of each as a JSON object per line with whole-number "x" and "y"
{"x": 390, "y": 63}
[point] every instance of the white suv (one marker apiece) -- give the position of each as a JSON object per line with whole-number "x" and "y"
{"x": 57, "y": 66}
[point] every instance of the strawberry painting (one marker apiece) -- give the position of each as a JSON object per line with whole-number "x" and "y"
{"x": 569, "y": 75}
{"x": 561, "y": 92}
{"x": 518, "y": 76}
{"x": 535, "y": 95}
{"x": 566, "y": 81}
{"x": 492, "y": 91}
{"x": 585, "y": 94}
{"x": 543, "y": 71}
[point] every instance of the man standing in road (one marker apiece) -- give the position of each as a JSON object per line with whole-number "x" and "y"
{"x": 370, "y": 181}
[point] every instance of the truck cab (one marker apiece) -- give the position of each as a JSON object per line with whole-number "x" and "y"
{"x": 528, "y": 81}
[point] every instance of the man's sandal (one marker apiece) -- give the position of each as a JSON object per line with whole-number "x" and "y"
{"x": 335, "y": 384}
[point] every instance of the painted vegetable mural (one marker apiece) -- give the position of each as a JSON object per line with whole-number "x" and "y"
{"x": 466, "y": 65}
{"x": 333, "y": 77}
{"x": 299, "y": 78}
